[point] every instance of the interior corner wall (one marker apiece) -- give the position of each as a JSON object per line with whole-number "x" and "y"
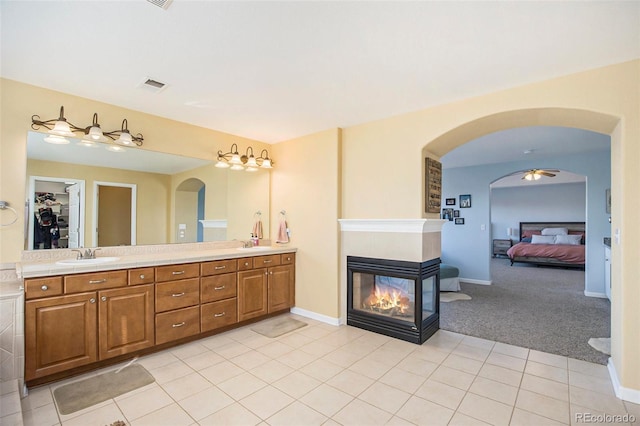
{"x": 305, "y": 183}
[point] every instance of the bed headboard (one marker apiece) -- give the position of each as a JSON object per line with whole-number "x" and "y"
{"x": 574, "y": 227}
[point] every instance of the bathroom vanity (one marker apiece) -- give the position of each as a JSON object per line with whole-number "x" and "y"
{"x": 84, "y": 316}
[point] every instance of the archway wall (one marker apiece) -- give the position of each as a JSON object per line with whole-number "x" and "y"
{"x": 383, "y": 169}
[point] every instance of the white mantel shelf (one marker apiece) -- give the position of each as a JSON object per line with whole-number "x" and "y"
{"x": 413, "y": 226}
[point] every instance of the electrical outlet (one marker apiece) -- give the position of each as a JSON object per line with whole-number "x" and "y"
{"x": 483, "y": 227}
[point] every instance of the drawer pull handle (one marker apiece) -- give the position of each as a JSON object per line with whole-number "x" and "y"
{"x": 288, "y": 258}
{"x": 267, "y": 261}
{"x": 104, "y": 280}
{"x": 177, "y": 272}
{"x": 222, "y": 287}
{"x": 219, "y": 267}
{"x": 246, "y": 263}
{"x": 219, "y": 315}
{"x": 177, "y": 294}
{"x": 44, "y": 288}
{"x": 178, "y": 325}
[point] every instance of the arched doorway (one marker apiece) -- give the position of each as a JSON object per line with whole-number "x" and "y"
{"x": 189, "y": 211}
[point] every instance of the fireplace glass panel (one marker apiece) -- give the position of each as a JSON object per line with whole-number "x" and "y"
{"x": 384, "y": 295}
{"x": 428, "y": 297}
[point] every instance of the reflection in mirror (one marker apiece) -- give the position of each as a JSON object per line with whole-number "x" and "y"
{"x": 222, "y": 203}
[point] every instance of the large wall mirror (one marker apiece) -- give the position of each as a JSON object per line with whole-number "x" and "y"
{"x": 102, "y": 198}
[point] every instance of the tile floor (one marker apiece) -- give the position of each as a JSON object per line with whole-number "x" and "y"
{"x": 326, "y": 375}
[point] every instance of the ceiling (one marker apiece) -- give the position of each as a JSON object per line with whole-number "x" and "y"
{"x": 273, "y": 71}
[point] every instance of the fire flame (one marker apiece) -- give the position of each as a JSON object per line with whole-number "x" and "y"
{"x": 394, "y": 302}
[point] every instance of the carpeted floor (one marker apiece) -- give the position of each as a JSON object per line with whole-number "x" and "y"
{"x": 537, "y": 308}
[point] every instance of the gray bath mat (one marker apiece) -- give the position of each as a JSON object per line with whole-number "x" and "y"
{"x": 278, "y": 327}
{"x": 76, "y": 396}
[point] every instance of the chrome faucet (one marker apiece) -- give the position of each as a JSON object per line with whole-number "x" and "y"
{"x": 247, "y": 244}
{"x": 88, "y": 253}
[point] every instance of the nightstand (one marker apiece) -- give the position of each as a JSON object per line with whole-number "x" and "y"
{"x": 500, "y": 247}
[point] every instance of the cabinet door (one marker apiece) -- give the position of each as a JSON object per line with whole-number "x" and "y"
{"x": 252, "y": 294}
{"x": 280, "y": 287}
{"x": 125, "y": 320}
{"x": 60, "y": 334}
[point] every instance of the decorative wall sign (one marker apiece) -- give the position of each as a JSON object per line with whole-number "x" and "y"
{"x": 433, "y": 185}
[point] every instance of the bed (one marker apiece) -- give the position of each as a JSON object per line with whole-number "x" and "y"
{"x": 540, "y": 245}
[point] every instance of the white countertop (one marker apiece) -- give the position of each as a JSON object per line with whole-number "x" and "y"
{"x": 42, "y": 268}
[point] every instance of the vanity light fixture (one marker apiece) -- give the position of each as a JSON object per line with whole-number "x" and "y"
{"x": 60, "y": 129}
{"x": 248, "y": 161}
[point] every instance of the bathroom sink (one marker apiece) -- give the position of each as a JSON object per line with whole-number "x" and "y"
{"x": 95, "y": 261}
{"x": 254, "y": 248}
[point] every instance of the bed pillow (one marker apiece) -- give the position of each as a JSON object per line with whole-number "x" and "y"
{"x": 581, "y": 233}
{"x": 543, "y": 239}
{"x": 526, "y": 240}
{"x": 555, "y": 231}
{"x": 573, "y": 240}
{"x": 530, "y": 233}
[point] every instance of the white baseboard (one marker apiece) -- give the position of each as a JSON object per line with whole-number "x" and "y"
{"x": 472, "y": 281}
{"x": 315, "y": 316}
{"x": 626, "y": 394}
{"x": 594, "y": 294}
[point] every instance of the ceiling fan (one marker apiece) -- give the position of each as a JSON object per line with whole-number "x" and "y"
{"x": 535, "y": 174}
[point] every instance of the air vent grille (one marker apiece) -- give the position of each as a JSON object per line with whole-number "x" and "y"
{"x": 152, "y": 85}
{"x": 164, "y": 4}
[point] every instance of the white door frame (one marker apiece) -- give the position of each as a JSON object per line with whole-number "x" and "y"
{"x": 31, "y": 200}
{"x": 133, "y": 187}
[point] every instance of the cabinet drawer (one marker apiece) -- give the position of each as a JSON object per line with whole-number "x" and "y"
{"x": 177, "y": 324}
{"x": 245, "y": 264}
{"x": 177, "y": 294}
{"x": 43, "y": 287}
{"x": 94, "y": 281}
{"x": 287, "y": 258}
{"x": 218, "y": 267}
{"x": 218, "y": 287}
{"x": 218, "y": 314}
{"x": 177, "y": 272}
{"x": 266, "y": 261}
{"x": 141, "y": 276}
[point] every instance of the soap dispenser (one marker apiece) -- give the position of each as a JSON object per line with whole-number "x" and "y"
{"x": 255, "y": 240}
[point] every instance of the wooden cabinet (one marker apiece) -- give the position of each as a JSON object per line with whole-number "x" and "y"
{"x": 252, "y": 293}
{"x": 177, "y": 324}
{"x": 177, "y": 294}
{"x": 280, "y": 288}
{"x": 60, "y": 334}
{"x": 500, "y": 247}
{"x": 125, "y": 320}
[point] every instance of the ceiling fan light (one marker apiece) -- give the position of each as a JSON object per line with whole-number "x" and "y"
{"x": 56, "y": 140}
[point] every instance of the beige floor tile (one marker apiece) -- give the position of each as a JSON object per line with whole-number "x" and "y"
{"x": 137, "y": 391}
{"x": 37, "y": 397}
{"x": 232, "y": 415}
{"x": 511, "y": 350}
{"x": 315, "y": 332}
{"x": 297, "y": 384}
{"x": 232, "y": 350}
{"x": 337, "y": 339}
{"x": 266, "y": 402}
{"x": 593, "y": 383}
{"x": 494, "y": 390}
{"x": 256, "y": 341}
{"x": 271, "y": 371}
{"x": 501, "y": 374}
{"x": 633, "y": 409}
{"x": 370, "y": 368}
{"x": 460, "y": 419}
{"x": 440, "y": 393}
{"x": 297, "y": 359}
{"x": 596, "y": 401}
{"x": 403, "y": 380}
{"x": 296, "y": 414}
{"x": 545, "y": 387}
{"x": 326, "y": 399}
{"x": 384, "y": 397}
{"x": 217, "y": 341}
{"x": 350, "y": 382}
{"x": 14, "y": 419}
{"x": 220, "y": 372}
{"x": 473, "y": 352}
{"x": 543, "y": 405}
{"x": 589, "y": 368}
{"x": 485, "y": 409}
{"x": 242, "y": 385}
{"x": 205, "y": 403}
{"x": 478, "y": 342}
{"x": 422, "y": 412}
{"x": 506, "y": 361}
{"x": 549, "y": 359}
{"x": 203, "y": 360}
{"x": 43, "y": 415}
{"x": 358, "y": 413}
{"x": 360, "y": 347}
{"x": 318, "y": 349}
{"x": 462, "y": 363}
{"x": 295, "y": 340}
{"x": 583, "y": 415}
{"x": 186, "y": 386}
{"x": 249, "y": 360}
{"x": 171, "y": 415}
{"x": 342, "y": 357}
{"x": 417, "y": 366}
{"x": 274, "y": 349}
{"x": 430, "y": 354}
{"x": 188, "y": 350}
{"x": 143, "y": 403}
{"x": 321, "y": 369}
{"x": 10, "y": 404}
{"x": 525, "y": 418}
{"x": 160, "y": 359}
{"x": 398, "y": 421}
{"x": 170, "y": 372}
{"x": 547, "y": 371}
{"x": 455, "y": 378}
{"x": 442, "y": 342}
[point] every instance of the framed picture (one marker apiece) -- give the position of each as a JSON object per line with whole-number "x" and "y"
{"x": 607, "y": 196}
{"x": 459, "y": 221}
{"x": 447, "y": 214}
{"x": 450, "y": 201}
{"x": 465, "y": 201}
{"x": 456, "y": 213}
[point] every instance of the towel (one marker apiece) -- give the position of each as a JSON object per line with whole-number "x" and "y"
{"x": 257, "y": 229}
{"x": 283, "y": 232}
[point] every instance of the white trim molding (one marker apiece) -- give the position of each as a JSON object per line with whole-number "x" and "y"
{"x": 594, "y": 294}
{"x": 414, "y": 226}
{"x": 626, "y": 394}
{"x": 474, "y": 281}
{"x": 315, "y": 316}
{"x": 213, "y": 223}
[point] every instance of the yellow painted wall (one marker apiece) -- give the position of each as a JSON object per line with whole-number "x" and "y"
{"x": 306, "y": 184}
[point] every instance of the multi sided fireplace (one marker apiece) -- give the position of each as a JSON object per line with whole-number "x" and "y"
{"x": 396, "y": 298}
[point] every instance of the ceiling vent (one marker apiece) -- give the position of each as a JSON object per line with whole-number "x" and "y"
{"x": 163, "y": 4}
{"x": 152, "y": 85}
